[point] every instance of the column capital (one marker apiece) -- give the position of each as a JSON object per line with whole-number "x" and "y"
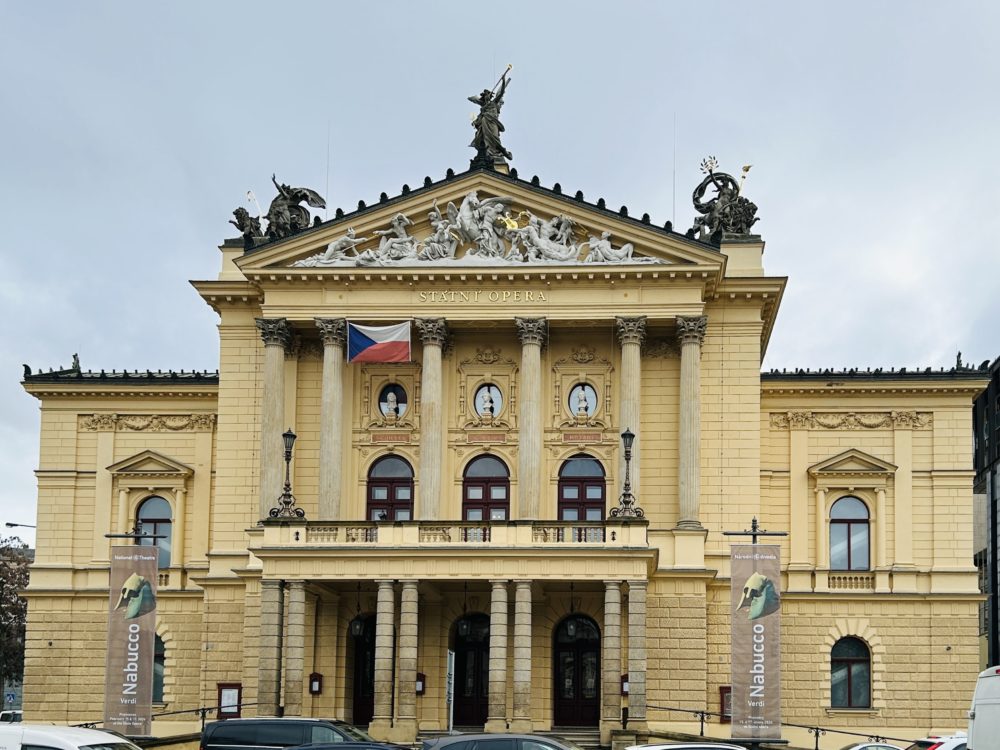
{"x": 532, "y": 330}
{"x": 692, "y": 330}
{"x": 499, "y": 583}
{"x": 613, "y": 584}
{"x": 631, "y": 330}
{"x": 432, "y": 330}
{"x": 385, "y": 583}
{"x": 275, "y": 332}
{"x": 332, "y": 330}
{"x": 409, "y": 583}
{"x": 639, "y": 583}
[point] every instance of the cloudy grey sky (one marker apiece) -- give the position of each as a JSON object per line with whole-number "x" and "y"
{"x": 129, "y": 132}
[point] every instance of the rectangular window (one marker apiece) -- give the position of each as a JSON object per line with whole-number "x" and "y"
{"x": 380, "y": 493}
{"x": 230, "y": 695}
{"x": 403, "y": 493}
{"x": 595, "y": 493}
{"x": 473, "y": 493}
{"x": 403, "y": 514}
{"x": 570, "y": 493}
{"x": 859, "y": 547}
{"x": 498, "y": 493}
{"x": 498, "y": 514}
{"x": 570, "y": 514}
{"x": 473, "y": 514}
{"x": 838, "y": 546}
{"x": 595, "y": 514}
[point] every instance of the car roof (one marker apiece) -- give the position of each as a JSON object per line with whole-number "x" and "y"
{"x": 310, "y": 719}
{"x": 39, "y": 733}
{"x": 690, "y": 745}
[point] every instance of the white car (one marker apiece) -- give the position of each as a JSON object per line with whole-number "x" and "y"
{"x": 873, "y": 746}
{"x": 951, "y": 742}
{"x": 14, "y": 736}
{"x": 706, "y": 745}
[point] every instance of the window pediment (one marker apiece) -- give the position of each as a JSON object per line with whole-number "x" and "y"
{"x": 852, "y": 468}
{"x": 150, "y": 468}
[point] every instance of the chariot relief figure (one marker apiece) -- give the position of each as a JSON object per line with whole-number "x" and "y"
{"x": 537, "y": 247}
{"x": 442, "y": 242}
{"x": 285, "y": 216}
{"x": 337, "y": 250}
{"x": 602, "y": 251}
{"x": 487, "y": 123}
{"x": 474, "y": 217}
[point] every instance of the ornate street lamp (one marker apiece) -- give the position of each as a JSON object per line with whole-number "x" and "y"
{"x": 626, "y": 503}
{"x": 286, "y": 502}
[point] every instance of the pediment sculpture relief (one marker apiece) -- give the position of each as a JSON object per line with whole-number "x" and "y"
{"x": 479, "y": 231}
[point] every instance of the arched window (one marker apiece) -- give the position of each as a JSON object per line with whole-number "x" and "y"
{"x": 850, "y": 540}
{"x": 153, "y": 516}
{"x": 159, "y": 662}
{"x": 581, "y": 489}
{"x": 486, "y": 490}
{"x": 390, "y": 490}
{"x": 850, "y": 674}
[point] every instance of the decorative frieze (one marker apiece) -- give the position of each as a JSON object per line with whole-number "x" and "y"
{"x": 805, "y": 420}
{"x": 692, "y": 330}
{"x": 661, "y": 349}
{"x": 147, "y": 422}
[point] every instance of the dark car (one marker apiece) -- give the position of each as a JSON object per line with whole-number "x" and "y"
{"x": 278, "y": 733}
{"x": 499, "y": 742}
{"x": 349, "y": 746}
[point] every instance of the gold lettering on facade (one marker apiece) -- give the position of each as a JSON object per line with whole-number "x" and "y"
{"x": 481, "y": 295}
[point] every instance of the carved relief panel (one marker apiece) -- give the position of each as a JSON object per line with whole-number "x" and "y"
{"x": 390, "y": 397}
{"x": 487, "y": 391}
{"x": 581, "y": 390}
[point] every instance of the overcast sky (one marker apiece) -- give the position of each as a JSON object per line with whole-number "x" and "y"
{"x": 129, "y": 132}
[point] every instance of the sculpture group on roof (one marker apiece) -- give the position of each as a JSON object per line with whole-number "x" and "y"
{"x": 488, "y": 231}
{"x": 727, "y": 212}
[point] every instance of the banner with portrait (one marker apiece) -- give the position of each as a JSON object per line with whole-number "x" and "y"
{"x": 756, "y": 641}
{"x": 128, "y": 685}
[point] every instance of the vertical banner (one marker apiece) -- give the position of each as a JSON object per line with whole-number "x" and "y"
{"x": 756, "y": 641}
{"x": 128, "y": 685}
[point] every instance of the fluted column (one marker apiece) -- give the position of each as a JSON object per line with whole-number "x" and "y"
{"x": 433, "y": 334}
{"x": 532, "y": 332}
{"x": 333, "y": 333}
{"x": 277, "y": 338}
{"x": 611, "y": 658}
{"x": 631, "y": 334}
{"x": 822, "y": 534}
{"x": 405, "y": 728}
{"x": 496, "y": 718}
{"x": 123, "y": 524}
{"x": 381, "y": 724}
{"x": 521, "y": 720}
{"x": 271, "y": 617}
{"x": 295, "y": 648}
{"x": 637, "y": 654}
{"x": 691, "y": 332}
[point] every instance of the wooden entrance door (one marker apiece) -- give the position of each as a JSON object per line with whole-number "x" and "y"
{"x": 577, "y": 673}
{"x": 364, "y": 671}
{"x": 472, "y": 665}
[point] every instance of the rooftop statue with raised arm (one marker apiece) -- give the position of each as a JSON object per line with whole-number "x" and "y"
{"x": 487, "y": 123}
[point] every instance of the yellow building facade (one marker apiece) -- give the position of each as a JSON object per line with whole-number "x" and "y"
{"x": 458, "y": 507}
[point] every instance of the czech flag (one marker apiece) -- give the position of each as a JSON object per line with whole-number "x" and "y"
{"x": 378, "y": 343}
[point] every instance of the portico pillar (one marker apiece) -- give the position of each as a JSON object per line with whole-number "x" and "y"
{"x": 385, "y": 615}
{"x": 269, "y": 647}
{"x": 611, "y": 660}
{"x": 532, "y": 332}
{"x": 295, "y": 648}
{"x": 333, "y": 333}
{"x": 637, "y": 655}
{"x": 521, "y": 720}
{"x": 433, "y": 334}
{"x": 381, "y": 724}
{"x": 277, "y": 337}
{"x": 496, "y": 718}
{"x": 691, "y": 332}
{"x": 631, "y": 334}
{"x": 405, "y": 727}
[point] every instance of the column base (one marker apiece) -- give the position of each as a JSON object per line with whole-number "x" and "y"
{"x": 904, "y": 578}
{"x": 690, "y": 525}
{"x": 495, "y": 726}
{"x": 403, "y": 731}
{"x": 689, "y": 547}
{"x": 380, "y": 729}
{"x": 800, "y": 577}
{"x": 521, "y": 726}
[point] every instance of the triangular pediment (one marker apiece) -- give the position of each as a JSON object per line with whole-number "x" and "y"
{"x": 482, "y": 219}
{"x": 852, "y": 462}
{"x": 150, "y": 464}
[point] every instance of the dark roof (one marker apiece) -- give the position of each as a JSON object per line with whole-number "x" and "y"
{"x": 556, "y": 191}
{"x": 134, "y": 377}
{"x": 879, "y": 373}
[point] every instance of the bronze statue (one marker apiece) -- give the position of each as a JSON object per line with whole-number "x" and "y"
{"x": 285, "y": 216}
{"x": 727, "y": 211}
{"x": 248, "y": 225}
{"x": 487, "y": 123}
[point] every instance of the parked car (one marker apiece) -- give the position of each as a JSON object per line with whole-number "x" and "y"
{"x": 349, "y": 746}
{"x": 951, "y": 742}
{"x": 872, "y": 746}
{"x": 499, "y": 742}
{"x": 275, "y": 732}
{"x": 14, "y": 736}
{"x": 699, "y": 745}
{"x": 10, "y": 716}
{"x": 984, "y": 715}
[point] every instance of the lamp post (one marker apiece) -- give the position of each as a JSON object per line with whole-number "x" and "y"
{"x": 11, "y": 525}
{"x": 626, "y": 503}
{"x": 286, "y": 502}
